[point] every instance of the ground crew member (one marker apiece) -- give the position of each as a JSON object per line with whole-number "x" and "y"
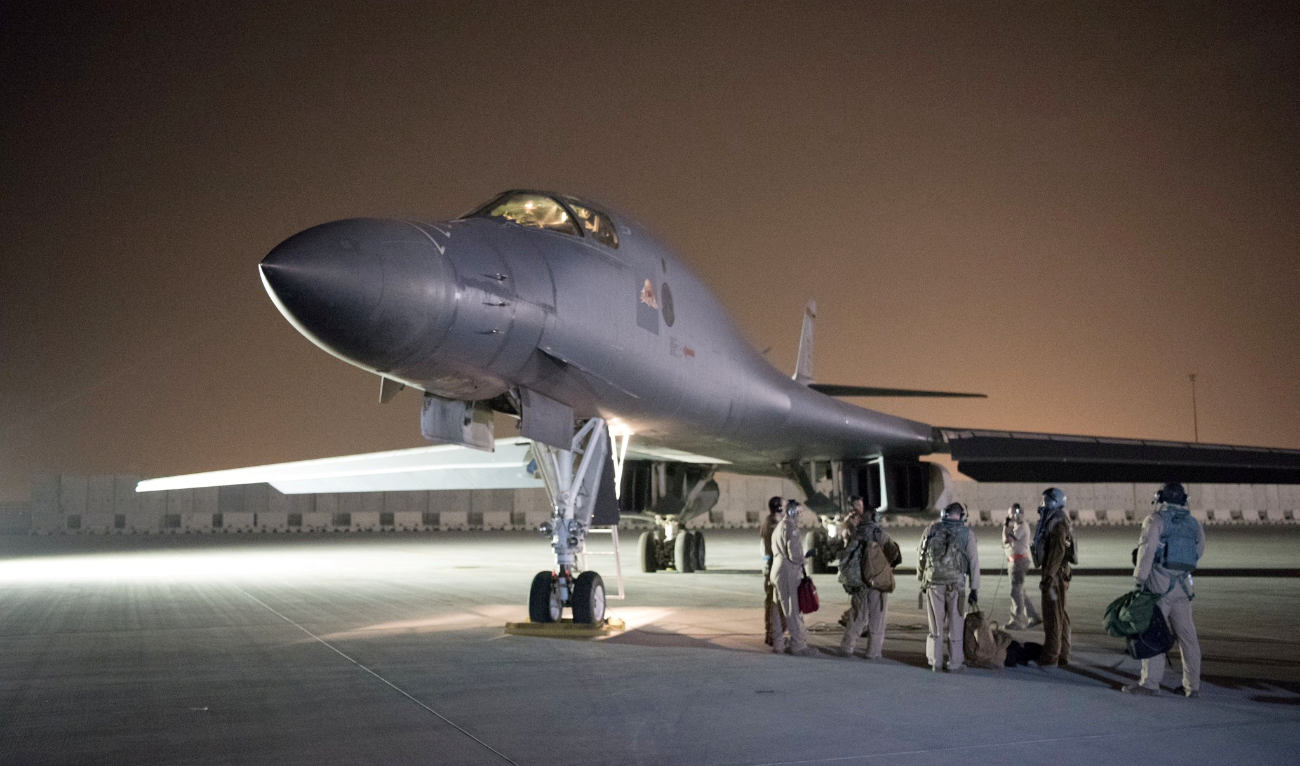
{"x": 847, "y": 530}
{"x": 946, "y": 559}
{"x": 771, "y": 613}
{"x": 1158, "y": 574}
{"x": 867, "y": 606}
{"x": 1015, "y": 543}
{"x": 1053, "y": 551}
{"x": 853, "y": 519}
{"x": 787, "y": 571}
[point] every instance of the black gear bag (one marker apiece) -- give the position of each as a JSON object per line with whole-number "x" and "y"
{"x": 1156, "y": 639}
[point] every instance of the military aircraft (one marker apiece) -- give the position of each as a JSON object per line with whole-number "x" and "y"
{"x": 630, "y": 384}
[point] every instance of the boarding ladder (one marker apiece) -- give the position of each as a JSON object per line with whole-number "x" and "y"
{"x": 612, "y": 531}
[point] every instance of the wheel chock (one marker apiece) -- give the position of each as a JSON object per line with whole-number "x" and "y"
{"x": 567, "y": 628}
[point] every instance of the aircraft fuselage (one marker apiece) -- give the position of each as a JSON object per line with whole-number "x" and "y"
{"x": 610, "y": 323}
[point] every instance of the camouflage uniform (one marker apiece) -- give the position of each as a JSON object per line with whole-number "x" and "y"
{"x": 867, "y": 606}
{"x": 944, "y": 605}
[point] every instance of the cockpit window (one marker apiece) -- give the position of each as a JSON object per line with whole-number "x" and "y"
{"x": 596, "y": 224}
{"x": 534, "y": 210}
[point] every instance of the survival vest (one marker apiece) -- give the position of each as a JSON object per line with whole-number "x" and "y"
{"x": 1038, "y": 548}
{"x": 1177, "y": 550}
{"x": 851, "y": 567}
{"x": 945, "y": 554}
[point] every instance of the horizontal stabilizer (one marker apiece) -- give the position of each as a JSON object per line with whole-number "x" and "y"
{"x": 831, "y": 389}
{"x": 1017, "y": 456}
{"x": 444, "y": 466}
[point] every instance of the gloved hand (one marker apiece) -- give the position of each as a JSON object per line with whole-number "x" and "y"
{"x": 973, "y": 599}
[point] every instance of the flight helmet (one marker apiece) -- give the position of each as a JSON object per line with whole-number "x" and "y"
{"x": 954, "y": 508}
{"x": 1015, "y": 512}
{"x": 1053, "y": 499}
{"x": 774, "y": 504}
{"x": 1172, "y": 493}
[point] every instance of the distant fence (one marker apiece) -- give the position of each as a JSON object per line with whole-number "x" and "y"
{"x": 1118, "y": 504}
{"x": 109, "y": 504}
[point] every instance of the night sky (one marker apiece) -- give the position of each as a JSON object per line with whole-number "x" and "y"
{"x": 1067, "y": 206}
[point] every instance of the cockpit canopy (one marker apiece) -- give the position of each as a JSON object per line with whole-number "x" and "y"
{"x": 539, "y": 210}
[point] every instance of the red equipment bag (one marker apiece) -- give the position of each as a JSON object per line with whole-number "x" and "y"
{"x": 808, "y": 602}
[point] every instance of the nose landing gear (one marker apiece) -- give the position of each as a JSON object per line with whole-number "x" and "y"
{"x": 550, "y": 593}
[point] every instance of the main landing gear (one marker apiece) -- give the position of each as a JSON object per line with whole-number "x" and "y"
{"x": 668, "y": 545}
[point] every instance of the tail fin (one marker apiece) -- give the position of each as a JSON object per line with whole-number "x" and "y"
{"x": 803, "y": 369}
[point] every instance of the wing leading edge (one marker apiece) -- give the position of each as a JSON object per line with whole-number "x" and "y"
{"x": 436, "y": 467}
{"x": 1021, "y": 456}
{"x": 444, "y": 466}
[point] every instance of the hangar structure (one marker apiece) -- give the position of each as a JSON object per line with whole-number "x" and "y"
{"x": 109, "y": 504}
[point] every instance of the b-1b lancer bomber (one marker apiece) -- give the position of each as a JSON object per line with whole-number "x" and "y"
{"x": 624, "y": 371}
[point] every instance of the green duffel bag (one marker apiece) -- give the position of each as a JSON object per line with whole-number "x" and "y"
{"x": 1130, "y": 614}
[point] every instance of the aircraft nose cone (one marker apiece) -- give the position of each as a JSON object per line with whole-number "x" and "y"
{"x": 366, "y": 289}
{"x": 321, "y": 275}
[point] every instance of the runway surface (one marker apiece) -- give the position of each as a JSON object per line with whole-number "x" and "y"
{"x": 323, "y": 649}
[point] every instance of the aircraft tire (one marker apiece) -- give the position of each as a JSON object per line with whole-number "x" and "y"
{"x": 683, "y": 549}
{"x": 543, "y": 602}
{"x": 699, "y": 550}
{"x": 588, "y": 599}
{"x": 649, "y": 552}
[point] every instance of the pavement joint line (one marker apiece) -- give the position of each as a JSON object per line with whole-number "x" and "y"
{"x": 383, "y": 680}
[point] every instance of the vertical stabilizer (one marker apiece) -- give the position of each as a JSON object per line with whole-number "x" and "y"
{"x": 803, "y": 369}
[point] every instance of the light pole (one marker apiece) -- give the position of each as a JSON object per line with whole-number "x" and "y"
{"x": 1196, "y": 431}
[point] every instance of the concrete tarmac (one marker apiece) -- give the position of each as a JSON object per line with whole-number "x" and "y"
{"x": 324, "y": 649}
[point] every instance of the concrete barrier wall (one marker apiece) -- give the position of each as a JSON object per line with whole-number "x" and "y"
{"x": 109, "y": 505}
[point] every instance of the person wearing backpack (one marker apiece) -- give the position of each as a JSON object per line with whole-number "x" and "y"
{"x": 1015, "y": 543}
{"x": 1172, "y": 543}
{"x": 867, "y": 605}
{"x": 787, "y": 571}
{"x": 947, "y": 557}
{"x": 1054, "y": 551}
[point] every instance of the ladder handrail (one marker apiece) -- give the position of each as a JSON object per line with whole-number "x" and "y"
{"x": 612, "y": 531}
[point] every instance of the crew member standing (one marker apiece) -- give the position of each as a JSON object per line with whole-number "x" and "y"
{"x": 947, "y": 557}
{"x": 1053, "y": 551}
{"x": 1171, "y": 545}
{"x": 787, "y": 571}
{"x": 853, "y": 518}
{"x": 771, "y": 612}
{"x": 1015, "y": 542}
{"x": 867, "y": 606}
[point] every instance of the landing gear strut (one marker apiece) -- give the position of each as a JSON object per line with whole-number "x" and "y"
{"x": 573, "y": 479}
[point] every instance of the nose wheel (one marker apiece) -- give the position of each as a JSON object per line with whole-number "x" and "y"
{"x": 588, "y": 598}
{"x": 546, "y": 598}
{"x": 544, "y": 602}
